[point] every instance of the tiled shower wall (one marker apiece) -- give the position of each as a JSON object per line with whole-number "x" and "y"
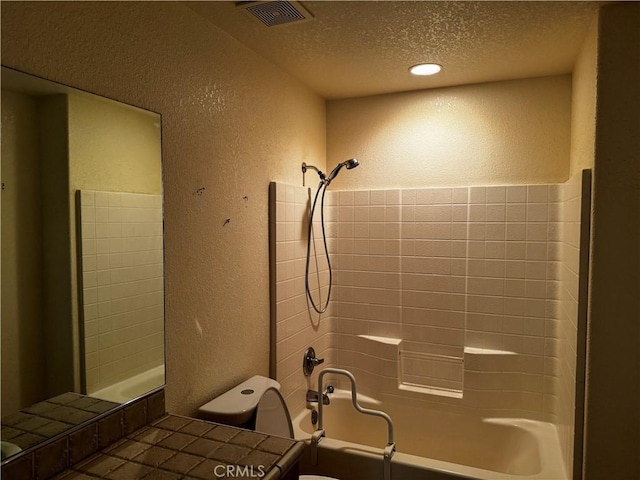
{"x": 464, "y": 279}
{"x": 574, "y": 237}
{"x": 297, "y": 325}
{"x": 451, "y": 293}
{"x": 122, "y": 285}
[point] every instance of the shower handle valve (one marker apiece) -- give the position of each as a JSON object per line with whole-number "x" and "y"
{"x": 309, "y": 362}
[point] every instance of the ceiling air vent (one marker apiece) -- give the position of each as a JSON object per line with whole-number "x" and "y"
{"x": 276, "y": 13}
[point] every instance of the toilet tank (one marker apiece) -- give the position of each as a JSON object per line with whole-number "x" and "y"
{"x": 237, "y": 406}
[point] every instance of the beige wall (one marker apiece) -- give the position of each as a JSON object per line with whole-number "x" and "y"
{"x": 612, "y": 448}
{"x": 112, "y": 147}
{"x": 231, "y": 123}
{"x": 23, "y": 372}
{"x": 583, "y": 103}
{"x": 486, "y": 134}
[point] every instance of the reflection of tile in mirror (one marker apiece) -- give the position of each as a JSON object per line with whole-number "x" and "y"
{"x": 47, "y": 419}
{"x": 123, "y": 296}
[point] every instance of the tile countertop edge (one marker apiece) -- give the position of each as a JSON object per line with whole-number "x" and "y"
{"x": 280, "y": 468}
{"x": 123, "y": 456}
{"x": 290, "y": 457}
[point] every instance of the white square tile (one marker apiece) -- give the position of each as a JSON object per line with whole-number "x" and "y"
{"x": 516, "y": 251}
{"x": 392, "y": 197}
{"x": 89, "y": 247}
{"x": 346, "y": 198}
{"x": 377, "y": 197}
{"x": 537, "y": 193}
{"x": 361, "y": 197}
{"x": 496, "y": 231}
{"x": 537, "y": 232}
{"x": 442, "y": 195}
{"x": 101, "y": 199}
{"x": 392, "y": 214}
{"x": 516, "y": 213}
{"x": 478, "y": 195}
{"x": 376, "y": 213}
{"x": 459, "y": 231}
{"x": 496, "y": 194}
{"x": 537, "y": 212}
{"x": 477, "y": 231}
{"x": 408, "y": 196}
{"x": 88, "y": 230}
{"x": 87, "y": 198}
{"x": 89, "y": 263}
{"x": 536, "y": 251}
{"x": 477, "y": 213}
{"x": 459, "y": 213}
{"x": 114, "y": 199}
{"x": 460, "y": 195}
{"x": 424, "y": 196}
{"x": 516, "y": 194}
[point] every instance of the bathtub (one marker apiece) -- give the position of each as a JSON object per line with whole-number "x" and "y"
{"x": 430, "y": 444}
{"x": 133, "y": 387}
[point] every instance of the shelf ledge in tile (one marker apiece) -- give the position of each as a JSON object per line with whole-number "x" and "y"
{"x": 441, "y": 392}
{"x": 486, "y": 351}
{"x": 385, "y": 340}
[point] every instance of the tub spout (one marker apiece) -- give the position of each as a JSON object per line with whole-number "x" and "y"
{"x": 314, "y": 397}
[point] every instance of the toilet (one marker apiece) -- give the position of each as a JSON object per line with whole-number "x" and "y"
{"x": 256, "y": 404}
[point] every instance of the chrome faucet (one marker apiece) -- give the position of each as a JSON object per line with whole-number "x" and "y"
{"x": 313, "y": 396}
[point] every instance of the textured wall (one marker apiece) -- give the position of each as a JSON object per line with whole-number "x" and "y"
{"x": 113, "y": 148}
{"x": 488, "y": 134}
{"x": 22, "y": 348}
{"x": 583, "y": 103}
{"x": 231, "y": 123}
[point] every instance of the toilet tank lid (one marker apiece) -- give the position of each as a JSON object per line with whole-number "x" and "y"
{"x": 241, "y": 398}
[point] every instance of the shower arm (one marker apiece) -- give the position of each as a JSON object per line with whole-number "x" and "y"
{"x": 305, "y": 167}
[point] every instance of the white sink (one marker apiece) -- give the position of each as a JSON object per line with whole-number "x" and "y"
{"x": 9, "y": 449}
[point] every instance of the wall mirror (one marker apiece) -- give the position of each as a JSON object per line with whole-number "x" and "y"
{"x": 82, "y": 287}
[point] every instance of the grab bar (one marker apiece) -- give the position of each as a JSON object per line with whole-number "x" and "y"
{"x": 319, "y": 433}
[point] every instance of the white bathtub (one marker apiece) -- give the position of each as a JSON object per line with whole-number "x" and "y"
{"x": 430, "y": 444}
{"x": 133, "y": 387}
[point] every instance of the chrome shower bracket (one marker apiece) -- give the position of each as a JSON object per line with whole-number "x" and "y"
{"x": 305, "y": 167}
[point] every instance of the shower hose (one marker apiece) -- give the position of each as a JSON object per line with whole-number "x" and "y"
{"x": 318, "y": 307}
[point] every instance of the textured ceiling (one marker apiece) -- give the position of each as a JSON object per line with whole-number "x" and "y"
{"x": 360, "y": 48}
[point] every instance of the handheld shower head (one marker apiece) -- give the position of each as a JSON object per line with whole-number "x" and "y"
{"x": 351, "y": 163}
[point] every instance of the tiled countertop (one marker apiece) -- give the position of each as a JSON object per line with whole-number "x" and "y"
{"x": 176, "y": 447}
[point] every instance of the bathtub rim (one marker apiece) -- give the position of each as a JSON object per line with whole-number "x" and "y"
{"x": 103, "y": 393}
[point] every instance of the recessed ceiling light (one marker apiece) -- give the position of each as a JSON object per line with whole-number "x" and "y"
{"x": 425, "y": 69}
